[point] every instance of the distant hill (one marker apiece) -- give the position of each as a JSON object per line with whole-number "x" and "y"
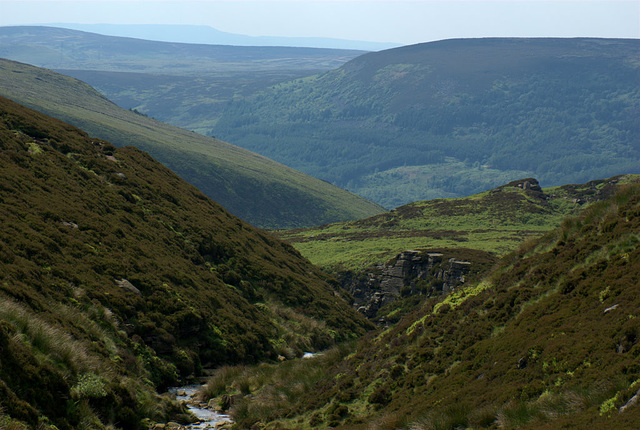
{"x": 118, "y": 278}
{"x": 187, "y": 85}
{"x": 549, "y": 340}
{"x": 453, "y": 118}
{"x": 202, "y": 34}
{"x": 61, "y": 48}
{"x": 262, "y": 192}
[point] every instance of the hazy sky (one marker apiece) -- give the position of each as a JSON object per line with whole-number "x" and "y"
{"x": 402, "y": 22}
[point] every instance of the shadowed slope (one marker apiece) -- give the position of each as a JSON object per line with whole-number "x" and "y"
{"x": 117, "y": 276}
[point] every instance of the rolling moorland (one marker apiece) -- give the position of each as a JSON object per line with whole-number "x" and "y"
{"x": 262, "y": 192}
{"x": 546, "y": 340}
{"x": 202, "y": 34}
{"x": 119, "y": 279}
{"x": 145, "y": 76}
{"x": 56, "y": 48}
{"x": 487, "y": 111}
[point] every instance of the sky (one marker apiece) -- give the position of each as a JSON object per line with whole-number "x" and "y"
{"x": 402, "y": 22}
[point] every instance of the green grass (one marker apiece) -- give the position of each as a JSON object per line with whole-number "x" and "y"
{"x": 260, "y": 191}
{"x": 496, "y": 221}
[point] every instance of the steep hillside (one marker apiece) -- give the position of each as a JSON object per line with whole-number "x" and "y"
{"x": 117, "y": 277}
{"x": 194, "y": 102}
{"x": 453, "y": 118}
{"x": 548, "y": 340}
{"x": 495, "y": 221}
{"x": 250, "y": 186}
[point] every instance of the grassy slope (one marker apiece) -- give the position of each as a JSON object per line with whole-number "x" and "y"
{"x": 453, "y": 118}
{"x": 549, "y": 340}
{"x": 258, "y": 190}
{"x": 496, "y": 221}
{"x": 78, "y": 217}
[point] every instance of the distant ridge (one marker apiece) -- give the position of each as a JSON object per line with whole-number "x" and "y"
{"x": 260, "y": 191}
{"x": 62, "y": 48}
{"x": 209, "y": 35}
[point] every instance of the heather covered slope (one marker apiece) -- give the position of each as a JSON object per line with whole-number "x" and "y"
{"x": 117, "y": 277}
{"x": 548, "y": 340}
{"x": 454, "y": 117}
{"x": 258, "y": 190}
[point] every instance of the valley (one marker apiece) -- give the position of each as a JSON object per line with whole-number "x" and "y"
{"x": 459, "y": 249}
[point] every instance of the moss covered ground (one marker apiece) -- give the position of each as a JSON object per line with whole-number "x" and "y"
{"x": 496, "y": 221}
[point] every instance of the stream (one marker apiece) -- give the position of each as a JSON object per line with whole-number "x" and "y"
{"x": 209, "y": 419}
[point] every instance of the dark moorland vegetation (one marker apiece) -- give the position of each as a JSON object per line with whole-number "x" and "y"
{"x": 262, "y": 192}
{"x": 117, "y": 278}
{"x": 548, "y": 340}
{"x": 453, "y": 118}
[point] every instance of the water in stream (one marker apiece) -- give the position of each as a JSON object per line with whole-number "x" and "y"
{"x": 208, "y": 418}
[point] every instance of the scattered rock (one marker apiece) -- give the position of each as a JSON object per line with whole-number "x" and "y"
{"x": 632, "y": 401}
{"x": 610, "y": 308}
{"x": 522, "y": 363}
{"x": 125, "y": 284}
{"x": 388, "y": 282}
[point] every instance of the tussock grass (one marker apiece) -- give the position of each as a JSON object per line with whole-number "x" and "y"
{"x": 266, "y": 391}
{"x": 48, "y": 340}
{"x": 549, "y": 406}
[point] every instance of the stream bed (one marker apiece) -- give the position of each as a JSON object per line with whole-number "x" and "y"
{"x": 209, "y": 419}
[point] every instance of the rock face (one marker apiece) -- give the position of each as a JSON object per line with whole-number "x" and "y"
{"x": 411, "y": 272}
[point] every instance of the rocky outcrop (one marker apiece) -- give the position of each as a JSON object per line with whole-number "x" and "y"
{"x": 411, "y": 272}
